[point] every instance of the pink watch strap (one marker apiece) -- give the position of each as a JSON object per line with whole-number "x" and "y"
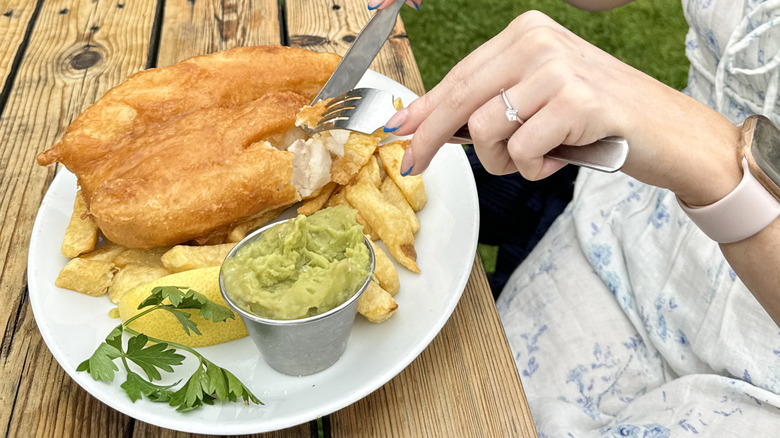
{"x": 748, "y": 209}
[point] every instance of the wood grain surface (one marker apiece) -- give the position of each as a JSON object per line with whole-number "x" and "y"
{"x": 192, "y": 28}
{"x": 16, "y": 18}
{"x": 464, "y": 384}
{"x": 74, "y": 53}
{"x": 331, "y": 26}
{"x": 60, "y": 56}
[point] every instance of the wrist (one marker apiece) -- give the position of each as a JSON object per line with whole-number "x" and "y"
{"x": 685, "y": 147}
{"x": 755, "y": 202}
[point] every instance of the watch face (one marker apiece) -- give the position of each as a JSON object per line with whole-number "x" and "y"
{"x": 766, "y": 148}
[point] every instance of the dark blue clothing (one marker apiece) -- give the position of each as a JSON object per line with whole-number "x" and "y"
{"x": 515, "y": 213}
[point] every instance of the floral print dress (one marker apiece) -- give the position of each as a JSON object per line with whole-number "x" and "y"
{"x": 626, "y": 320}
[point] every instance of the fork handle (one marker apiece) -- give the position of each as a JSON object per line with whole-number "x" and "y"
{"x": 606, "y": 155}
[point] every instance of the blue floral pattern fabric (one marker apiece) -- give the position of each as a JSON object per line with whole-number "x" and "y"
{"x": 626, "y": 320}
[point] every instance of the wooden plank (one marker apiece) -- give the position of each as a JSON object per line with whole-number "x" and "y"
{"x": 15, "y": 18}
{"x": 465, "y": 384}
{"x": 331, "y": 26}
{"x": 197, "y": 27}
{"x": 76, "y": 51}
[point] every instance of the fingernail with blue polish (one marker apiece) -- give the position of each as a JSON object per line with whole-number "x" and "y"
{"x": 415, "y": 4}
{"x": 407, "y": 162}
{"x": 373, "y": 4}
{"x": 396, "y": 121}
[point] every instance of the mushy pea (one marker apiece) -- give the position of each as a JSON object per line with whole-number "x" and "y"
{"x": 300, "y": 268}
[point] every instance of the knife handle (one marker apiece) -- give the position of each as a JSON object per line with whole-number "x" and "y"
{"x": 605, "y": 155}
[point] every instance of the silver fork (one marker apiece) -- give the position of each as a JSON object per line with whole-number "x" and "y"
{"x": 367, "y": 109}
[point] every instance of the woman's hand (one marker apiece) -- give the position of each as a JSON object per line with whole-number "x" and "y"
{"x": 381, "y": 4}
{"x": 569, "y": 92}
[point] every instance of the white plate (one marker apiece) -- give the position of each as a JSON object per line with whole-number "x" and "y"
{"x": 73, "y": 324}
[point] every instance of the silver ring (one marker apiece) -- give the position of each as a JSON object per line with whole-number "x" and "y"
{"x": 511, "y": 113}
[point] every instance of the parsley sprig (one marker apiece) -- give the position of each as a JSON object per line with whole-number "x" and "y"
{"x": 207, "y": 383}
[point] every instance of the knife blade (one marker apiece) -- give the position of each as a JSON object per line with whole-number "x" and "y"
{"x": 361, "y": 53}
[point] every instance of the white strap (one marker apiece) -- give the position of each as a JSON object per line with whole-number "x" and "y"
{"x": 748, "y": 209}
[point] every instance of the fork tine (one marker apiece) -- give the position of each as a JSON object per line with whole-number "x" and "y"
{"x": 350, "y": 95}
{"x": 361, "y": 109}
{"x": 341, "y": 106}
{"x": 335, "y": 123}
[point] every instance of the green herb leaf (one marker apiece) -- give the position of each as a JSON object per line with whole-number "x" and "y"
{"x": 208, "y": 309}
{"x": 136, "y": 386}
{"x": 114, "y": 338}
{"x": 152, "y": 357}
{"x": 217, "y": 381}
{"x": 190, "y": 395}
{"x": 101, "y": 365}
{"x": 215, "y": 312}
{"x": 184, "y": 319}
{"x": 207, "y": 384}
{"x": 236, "y": 389}
{"x": 173, "y": 293}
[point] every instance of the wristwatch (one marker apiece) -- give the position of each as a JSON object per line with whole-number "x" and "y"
{"x": 755, "y": 202}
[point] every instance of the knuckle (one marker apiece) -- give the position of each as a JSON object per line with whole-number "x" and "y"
{"x": 423, "y": 142}
{"x": 523, "y": 160}
{"x": 540, "y": 38}
{"x": 458, "y": 93}
{"x": 530, "y": 18}
{"x": 479, "y": 126}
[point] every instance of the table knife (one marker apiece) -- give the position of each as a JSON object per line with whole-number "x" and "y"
{"x": 361, "y": 53}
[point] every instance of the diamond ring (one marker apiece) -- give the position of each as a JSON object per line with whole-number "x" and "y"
{"x": 511, "y": 113}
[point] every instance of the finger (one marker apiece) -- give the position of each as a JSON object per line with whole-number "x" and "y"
{"x": 521, "y": 48}
{"x": 381, "y": 4}
{"x": 493, "y": 59}
{"x": 434, "y": 120}
{"x": 539, "y": 134}
{"x": 438, "y": 114}
{"x": 490, "y": 128}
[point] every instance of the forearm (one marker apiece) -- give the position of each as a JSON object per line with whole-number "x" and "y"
{"x": 693, "y": 151}
{"x": 597, "y": 5}
{"x": 680, "y": 144}
{"x": 756, "y": 260}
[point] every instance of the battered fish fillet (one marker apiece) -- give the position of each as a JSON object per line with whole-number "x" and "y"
{"x": 185, "y": 152}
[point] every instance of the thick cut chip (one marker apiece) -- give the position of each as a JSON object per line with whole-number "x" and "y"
{"x": 393, "y": 194}
{"x": 391, "y": 226}
{"x": 184, "y": 258}
{"x": 90, "y": 277}
{"x": 311, "y": 206}
{"x": 82, "y": 234}
{"x": 370, "y": 172}
{"x": 411, "y": 185}
{"x": 339, "y": 197}
{"x": 376, "y": 304}
{"x": 385, "y": 271}
{"x": 358, "y": 149}
{"x": 146, "y": 257}
{"x": 131, "y": 276}
{"x": 241, "y": 230}
{"x": 106, "y": 253}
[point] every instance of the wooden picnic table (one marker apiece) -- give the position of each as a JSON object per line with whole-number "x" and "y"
{"x": 58, "y": 57}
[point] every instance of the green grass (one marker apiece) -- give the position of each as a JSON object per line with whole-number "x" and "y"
{"x": 646, "y": 34}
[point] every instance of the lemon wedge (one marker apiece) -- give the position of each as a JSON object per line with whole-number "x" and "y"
{"x": 162, "y": 324}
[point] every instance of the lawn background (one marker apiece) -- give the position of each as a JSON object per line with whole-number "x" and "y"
{"x": 646, "y": 34}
